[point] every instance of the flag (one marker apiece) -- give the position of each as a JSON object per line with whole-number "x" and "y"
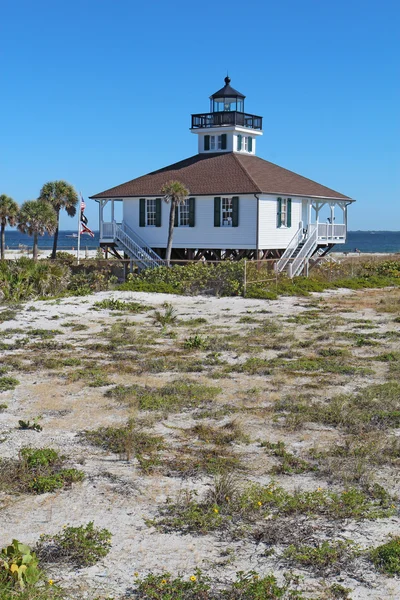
{"x": 85, "y": 229}
{"x": 83, "y": 217}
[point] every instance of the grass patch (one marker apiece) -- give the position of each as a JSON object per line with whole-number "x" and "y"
{"x": 247, "y": 586}
{"x": 119, "y": 305}
{"x": 375, "y": 407}
{"x": 289, "y": 464}
{"x": 173, "y": 396}
{"x": 127, "y": 442}
{"x": 323, "y": 557}
{"x": 255, "y": 503}
{"x": 8, "y": 383}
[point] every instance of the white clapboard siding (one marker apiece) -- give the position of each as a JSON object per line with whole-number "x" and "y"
{"x": 203, "y": 234}
{"x": 271, "y": 236}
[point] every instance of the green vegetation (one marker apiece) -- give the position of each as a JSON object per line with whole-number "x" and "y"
{"x": 80, "y": 546}
{"x": 376, "y": 407}
{"x": 248, "y": 586}
{"x": 288, "y": 463}
{"x": 128, "y": 441}
{"x": 8, "y": 383}
{"x": 113, "y": 304}
{"x": 227, "y": 279}
{"x": 18, "y": 567}
{"x": 174, "y": 396}
{"x": 255, "y": 503}
{"x": 324, "y": 556}
{"x": 37, "y": 471}
{"x": 386, "y": 557}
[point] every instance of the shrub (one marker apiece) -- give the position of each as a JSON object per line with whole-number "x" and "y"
{"x": 8, "y": 383}
{"x": 81, "y": 546}
{"x": 386, "y": 557}
{"x": 323, "y": 556}
{"x": 37, "y": 470}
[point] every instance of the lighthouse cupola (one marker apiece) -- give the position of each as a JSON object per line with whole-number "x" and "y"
{"x": 227, "y": 99}
{"x": 227, "y": 128}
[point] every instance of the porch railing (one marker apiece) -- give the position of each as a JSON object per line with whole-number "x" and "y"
{"x": 330, "y": 231}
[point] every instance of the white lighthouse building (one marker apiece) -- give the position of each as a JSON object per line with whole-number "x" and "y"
{"x": 239, "y": 205}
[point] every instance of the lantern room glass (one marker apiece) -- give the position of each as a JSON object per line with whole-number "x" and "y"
{"x": 233, "y": 104}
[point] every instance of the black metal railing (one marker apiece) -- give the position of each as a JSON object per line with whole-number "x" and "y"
{"x": 223, "y": 119}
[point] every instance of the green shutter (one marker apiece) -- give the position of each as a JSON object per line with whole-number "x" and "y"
{"x": 217, "y": 212}
{"x": 250, "y": 144}
{"x": 158, "y": 212}
{"x": 142, "y": 212}
{"x": 176, "y": 222}
{"x": 279, "y": 219}
{"x": 192, "y": 205}
{"x": 289, "y": 212}
{"x": 223, "y": 141}
{"x": 239, "y": 142}
{"x": 206, "y": 142}
{"x": 235, "y": 211}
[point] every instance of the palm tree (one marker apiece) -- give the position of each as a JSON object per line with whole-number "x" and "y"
{"x": 36, "y": 218}
{"x": 8, "y": 214}
{"x": 176, "y": 193}
{"x": 59, "y": 194}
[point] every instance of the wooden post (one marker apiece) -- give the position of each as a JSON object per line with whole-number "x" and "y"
{"x": 245, "y": 278}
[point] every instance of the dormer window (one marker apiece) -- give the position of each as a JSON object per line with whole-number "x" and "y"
{"x": 244, "y": 143}
{"x": 215, "y": 142}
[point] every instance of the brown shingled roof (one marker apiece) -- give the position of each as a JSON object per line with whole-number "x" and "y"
{"x": 223, "y": 173}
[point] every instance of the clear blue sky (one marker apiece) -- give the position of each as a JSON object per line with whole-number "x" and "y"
{"x": 98, "y": 92}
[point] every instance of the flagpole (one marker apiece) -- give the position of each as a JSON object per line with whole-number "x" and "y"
{"x": 79, "y": 228}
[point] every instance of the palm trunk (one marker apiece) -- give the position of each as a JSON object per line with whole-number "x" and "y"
{"x": 3, "y": 240}
{"x": 55, "y": 241}
{"x": 35, "y": 247}
{"x": 170, "y": 232}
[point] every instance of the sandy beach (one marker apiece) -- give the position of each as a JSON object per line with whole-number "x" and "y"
{"x": 69, "y": 354}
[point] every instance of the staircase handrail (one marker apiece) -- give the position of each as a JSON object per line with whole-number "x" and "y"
{"x": 305, "y": 251}
{"x": 294, "y": 242}
{"x": 138, "y": 253}
{"x": 140, "y": 243}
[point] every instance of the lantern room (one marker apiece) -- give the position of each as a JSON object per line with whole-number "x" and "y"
{"x": 227, "y": 99}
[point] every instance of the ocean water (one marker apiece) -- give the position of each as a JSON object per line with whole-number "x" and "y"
{"x": 15, "y": 239}
{"x": 364, "y": 241}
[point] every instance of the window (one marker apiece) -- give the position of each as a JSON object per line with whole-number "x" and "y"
{"x": 219, "y": 142}
{"x": 212, "y": 142}
{"x": 226, "y": 212}
{"x": 151, "y": 212}
{"x": 245, "y": 143}
{"x": 183, "y": 209}
{"x": 284, "y": 212}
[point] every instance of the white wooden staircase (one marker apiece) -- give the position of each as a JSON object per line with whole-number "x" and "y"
{"x": 126, "y": 240}
{"x": 300, "y": 249}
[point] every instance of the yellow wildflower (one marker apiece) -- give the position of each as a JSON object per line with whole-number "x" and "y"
{"x": 193, "y": 578}
{"x": 163, "y": 581}
{"x": 259, "y": 503}
{"x": 136, "y": 574}
{"x": 216, "y": 510}
{"x": 51, "y": 582}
